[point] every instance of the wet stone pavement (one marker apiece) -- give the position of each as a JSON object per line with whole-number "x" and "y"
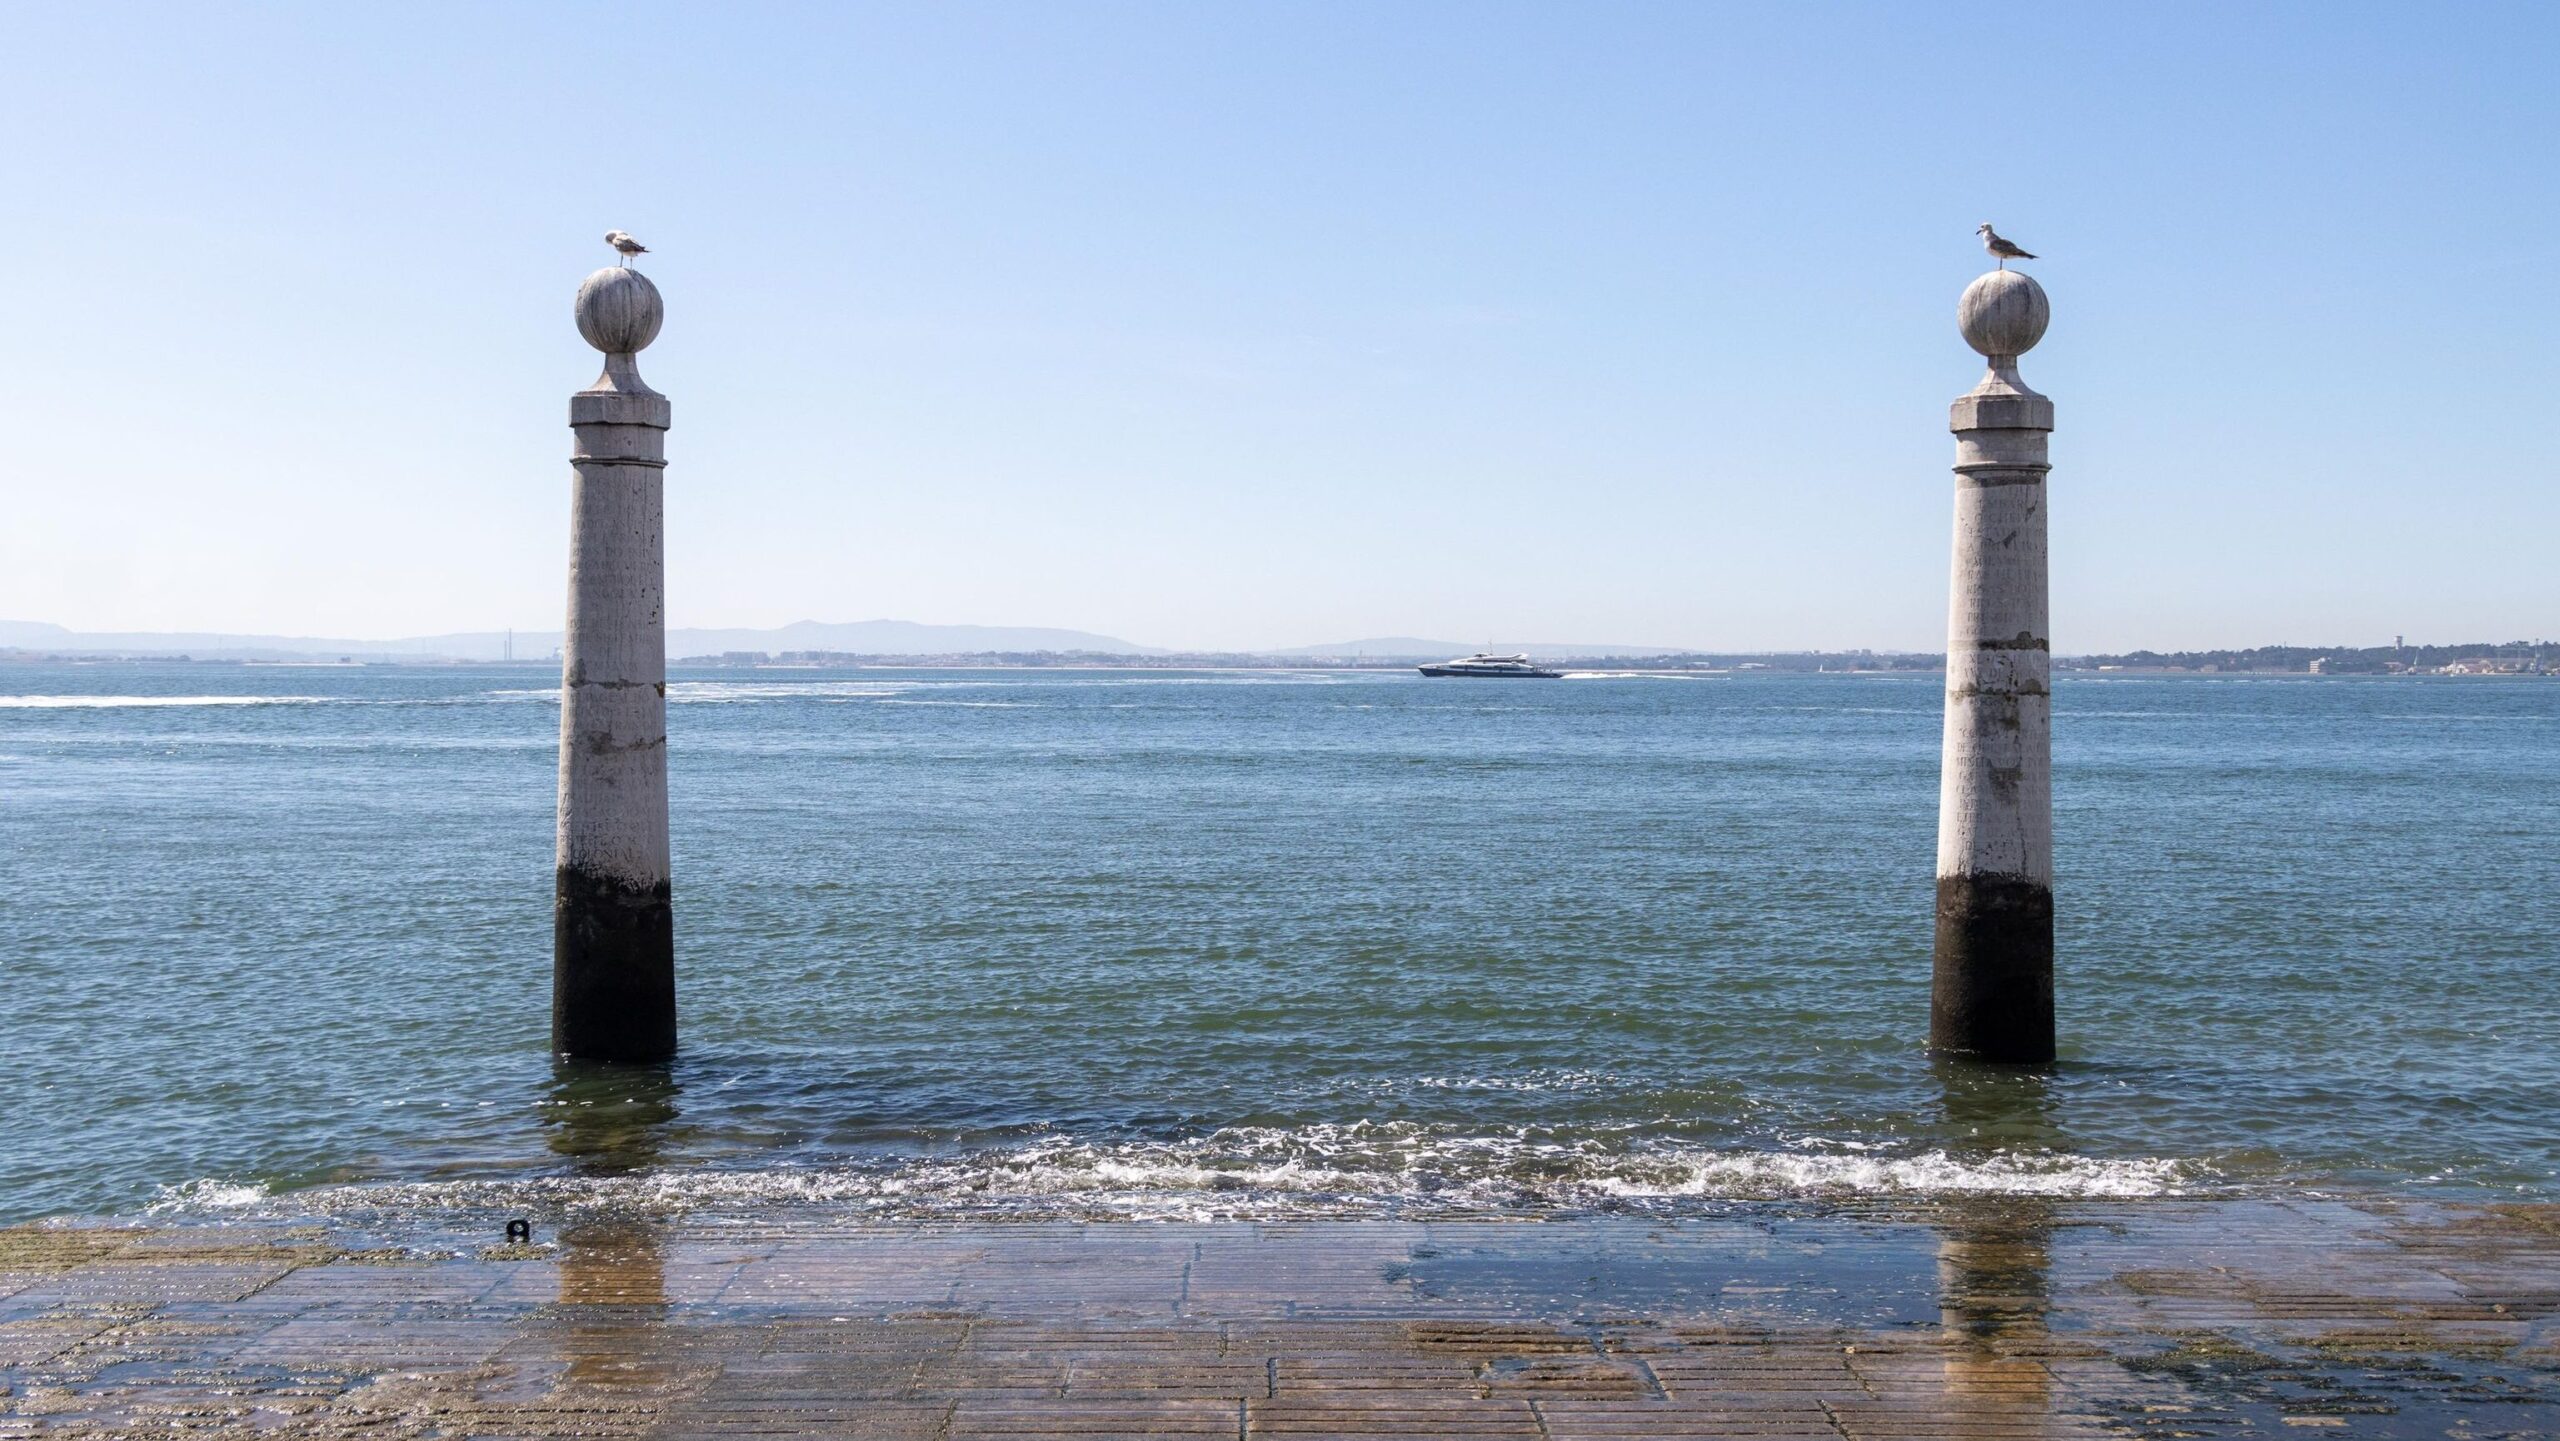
{"x": 1979, "y": 1319}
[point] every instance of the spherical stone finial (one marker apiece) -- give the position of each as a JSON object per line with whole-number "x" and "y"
{"x": 619, "y": 311}
{"x": 2003, "y": 313}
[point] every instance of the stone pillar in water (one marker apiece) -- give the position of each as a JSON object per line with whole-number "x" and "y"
{"x": 1992, "y": 995}
{"x": 613, "y": 964}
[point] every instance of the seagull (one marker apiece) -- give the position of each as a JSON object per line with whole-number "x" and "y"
{"x": 621, "y": 240}
{"x": 2000, "y": 249}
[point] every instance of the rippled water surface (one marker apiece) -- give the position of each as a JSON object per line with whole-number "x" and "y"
{"x": 1149, "y": 943}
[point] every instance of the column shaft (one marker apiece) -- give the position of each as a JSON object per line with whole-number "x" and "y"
{"x": 1992, "y": 994}
{"x": 613, "y": 937}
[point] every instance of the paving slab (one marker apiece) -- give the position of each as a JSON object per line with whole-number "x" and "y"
{"x": 1997, "y": 1318}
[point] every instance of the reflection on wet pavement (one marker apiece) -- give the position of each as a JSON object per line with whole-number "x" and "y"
{"x": 1963, "y": 1317}
{"x": 2002, "y": 1318}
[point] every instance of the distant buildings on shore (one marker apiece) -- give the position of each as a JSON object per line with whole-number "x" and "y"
{"x": 1857, "y": 660}
{"x": 2478, "y": 658}
{"x": 2513, "y": 658}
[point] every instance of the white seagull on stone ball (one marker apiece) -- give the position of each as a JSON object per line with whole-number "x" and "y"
{"x": 2001, "y": 250}
{"x": 621, "y": 240}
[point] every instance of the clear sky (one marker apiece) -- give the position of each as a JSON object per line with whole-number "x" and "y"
{"x": 1233, "y": 326}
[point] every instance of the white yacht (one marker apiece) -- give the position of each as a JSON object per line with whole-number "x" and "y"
{"x": 1515, "y": 666}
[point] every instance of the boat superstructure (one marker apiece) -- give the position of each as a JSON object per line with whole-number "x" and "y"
{"x": 1516, "y": 667}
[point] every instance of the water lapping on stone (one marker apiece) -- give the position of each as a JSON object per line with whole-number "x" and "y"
{"x": 1362, "y": 1170}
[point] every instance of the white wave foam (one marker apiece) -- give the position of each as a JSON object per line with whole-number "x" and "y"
{"x": 1539, "y": 1080}
{"x": 1933, "y": 1173}
{"x": 210, "y": 1193}
{"x": 117, "y": 702}
{"x": 904, "y": 692}
{"x": 1360, "y": 1170}
{"x": 724, "y": 692}
{"x": 697, "y": 692}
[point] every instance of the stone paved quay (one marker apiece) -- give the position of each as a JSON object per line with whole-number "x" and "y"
{"x": 1988, "y": 1319}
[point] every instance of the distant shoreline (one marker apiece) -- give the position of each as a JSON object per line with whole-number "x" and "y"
{"x": 2531, "y": 661}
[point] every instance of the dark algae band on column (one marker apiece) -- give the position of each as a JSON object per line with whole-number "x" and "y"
{"x": 613, "y": 969}
{"x": 1992, "y": 996}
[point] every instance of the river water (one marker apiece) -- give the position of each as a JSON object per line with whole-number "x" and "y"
{"x": 1145, "y": 943}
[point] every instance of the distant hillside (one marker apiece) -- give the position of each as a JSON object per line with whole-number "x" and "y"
{"x": 42, "y": 637}
{"x": 869, "y": 637}
{"x": 898, "y": 637}
{"x": 1390, "y": 647}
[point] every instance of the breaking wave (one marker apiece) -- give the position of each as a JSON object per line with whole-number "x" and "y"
{"x": 1243, "y": 1173}
{"x": 716, "y": 692}
{"x": 698, "y": 692}
{"x": 119, "y": 702}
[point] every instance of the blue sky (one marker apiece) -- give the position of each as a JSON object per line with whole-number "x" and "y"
{"x": 1218, "y": 325}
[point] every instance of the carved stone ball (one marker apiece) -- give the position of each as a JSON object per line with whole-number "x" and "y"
{"x": 2003, "y": 313}
{"x": 619, "y": 311}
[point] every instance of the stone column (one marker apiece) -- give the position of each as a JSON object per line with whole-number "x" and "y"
{"x": 613, "y": 966}
{"x": 1993, "y": 991}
